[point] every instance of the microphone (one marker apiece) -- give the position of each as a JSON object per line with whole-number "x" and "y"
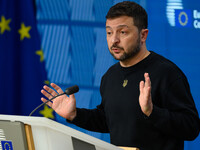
{"x": 68, "y": 91}
{"x": 72, "y": 90}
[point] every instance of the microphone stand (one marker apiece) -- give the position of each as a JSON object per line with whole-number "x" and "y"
{"x": 49, "y": 100}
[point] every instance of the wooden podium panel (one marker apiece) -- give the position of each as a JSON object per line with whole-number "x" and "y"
{"x": 29, "y": 137}
{"x": 129, "y": 148}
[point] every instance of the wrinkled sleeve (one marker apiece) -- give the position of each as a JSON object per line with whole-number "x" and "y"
{"x": 91, "y": 119}
{"x": 179, "y": 118}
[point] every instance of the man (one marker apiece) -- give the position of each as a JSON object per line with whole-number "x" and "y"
{"x": 146, "y": 100}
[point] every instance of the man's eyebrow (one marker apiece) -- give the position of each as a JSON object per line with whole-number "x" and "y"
{"x": 108, "y": 27}
{"x": 119, "y": 26}
{"x": 122, "y": 26}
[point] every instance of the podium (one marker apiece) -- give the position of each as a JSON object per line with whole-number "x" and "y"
{"x": 39, "y": 133}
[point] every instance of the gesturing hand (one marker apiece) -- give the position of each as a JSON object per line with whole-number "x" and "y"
{"x": 63, "y": 105}
{"x": 145, "y": 99}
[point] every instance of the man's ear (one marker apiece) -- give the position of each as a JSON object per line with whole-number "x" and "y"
{"x": 143, "y": 35}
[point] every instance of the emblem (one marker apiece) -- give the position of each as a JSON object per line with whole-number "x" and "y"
{"x": 125, "y": 83}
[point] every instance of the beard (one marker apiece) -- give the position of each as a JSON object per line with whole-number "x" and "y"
{"x": 134, "y": 50}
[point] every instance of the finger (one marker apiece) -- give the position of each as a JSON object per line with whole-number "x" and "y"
{"x": 48, "y": 103}
{"x": 50, "y": 91}
{"x": 45, "y": 93}
{"x": 141, "y": 86}
{"x": 72, "y": 97}
{"x": 147, "y": 80}
{"x": 57, "y": 88}
{"x": 147, "y": 84}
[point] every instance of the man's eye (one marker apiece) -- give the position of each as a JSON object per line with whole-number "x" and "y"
{"x": 123, "y": 32}
{"x": 109, "y": 33}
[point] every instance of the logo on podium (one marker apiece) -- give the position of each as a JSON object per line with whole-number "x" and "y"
{"x": 6, "y": 145}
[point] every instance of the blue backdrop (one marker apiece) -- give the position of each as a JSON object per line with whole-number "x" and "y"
{"x": 73, "y": 40}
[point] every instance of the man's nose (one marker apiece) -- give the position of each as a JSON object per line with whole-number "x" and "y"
{"x": 115, "y": 39}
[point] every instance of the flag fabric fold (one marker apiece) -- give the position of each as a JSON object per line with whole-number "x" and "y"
{"x": 22, "y": 68}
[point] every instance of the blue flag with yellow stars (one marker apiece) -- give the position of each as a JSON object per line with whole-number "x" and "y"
{"x": 22, "y": 68}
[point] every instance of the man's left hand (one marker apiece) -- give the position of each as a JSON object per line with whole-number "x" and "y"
{"x": 145, "y": 99}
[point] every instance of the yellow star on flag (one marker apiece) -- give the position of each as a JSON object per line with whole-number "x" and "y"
{"x": 4, "y": 24}
{"x": 47, "y": 112}
{"x": 41, "y": 54}
{"x": 24, "y": 32}
{"x": 47, "y": 82}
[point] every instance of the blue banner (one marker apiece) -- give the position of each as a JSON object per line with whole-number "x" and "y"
{"x": 22, "y": 68}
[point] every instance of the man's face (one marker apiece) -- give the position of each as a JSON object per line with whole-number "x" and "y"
{"x": 123, "y": 38}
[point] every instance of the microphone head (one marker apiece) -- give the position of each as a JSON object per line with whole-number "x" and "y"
{"x": 72, "y": 90}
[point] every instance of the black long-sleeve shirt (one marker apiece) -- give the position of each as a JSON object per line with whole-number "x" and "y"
{"x": 174, "y": 117}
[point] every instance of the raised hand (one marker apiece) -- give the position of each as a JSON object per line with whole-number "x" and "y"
{"x": 63, "y": 105}
{"x": 145, "y": 99}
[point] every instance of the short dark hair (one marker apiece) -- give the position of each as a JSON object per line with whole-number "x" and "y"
{"x": 130, "y": 9}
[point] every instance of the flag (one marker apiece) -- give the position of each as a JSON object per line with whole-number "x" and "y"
{"x": 22, "y": 65}
{"x": 6, "y": 145}
{"x": 183, "y": 18}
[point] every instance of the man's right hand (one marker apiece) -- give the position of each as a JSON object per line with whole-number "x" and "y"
{"x": 63, "y": 105}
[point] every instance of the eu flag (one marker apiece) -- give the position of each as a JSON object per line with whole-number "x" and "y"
{"x": 6, "y": 145}
{"x": 183, "y": 18}
{"x": 22, "y": 68}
